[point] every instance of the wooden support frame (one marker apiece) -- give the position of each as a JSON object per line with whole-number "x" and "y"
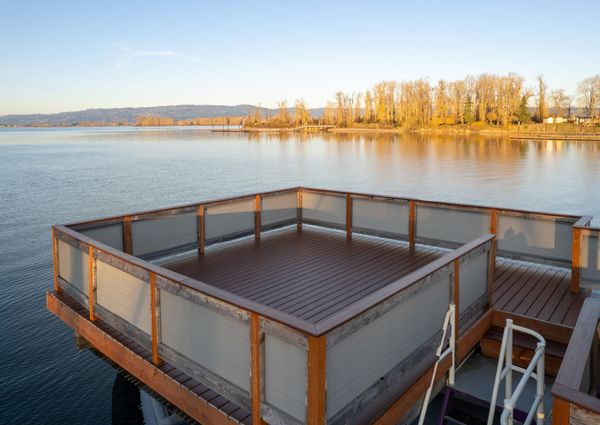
{"x": 127, "y": 239}
{"x": 348, "y": 216}
{"x": 317, "y": 380}
{"x": 412, "y": 231}
{"x": 92, "y": 282}
{"x": 255, "y": 368}
{"x": 154, "y": 314}
{"x": 200, "y": 213}
{"x": 55, "y": 260}
{"x": 576, "y": 260}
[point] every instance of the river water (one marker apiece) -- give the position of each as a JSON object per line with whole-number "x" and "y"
{"x": 60, "y": 175}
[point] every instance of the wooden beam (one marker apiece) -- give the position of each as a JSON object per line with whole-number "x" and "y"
{"x": 257, "y": 214}
{"x": 157, "y": 380}
{"x": 55, "y": 260}
{"x": 255, "y": 371}
{"x": 154, "y": 316}
{"x": 561, "y": 411}
{"x": 299, "y": 208}
{"x": 411, "y": 224}
{"x": 201, "y": 229}
{"x": 456, "y": 292}
{"x": 349, "y": 216}
{"x": 127, "y": 241}
{"x": 576, "y": 260}
{"x": 317, "y": 380}
{"x": 554, "y": 331}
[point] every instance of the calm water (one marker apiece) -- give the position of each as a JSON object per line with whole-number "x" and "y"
{"x": 52, "y": 176}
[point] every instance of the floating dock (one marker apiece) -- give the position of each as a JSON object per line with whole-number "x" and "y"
{"x": 315, "y": 306}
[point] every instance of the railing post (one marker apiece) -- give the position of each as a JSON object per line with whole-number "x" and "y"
{"x": 55, "y": 259}
{"x": 201, "y": 229}
{"x": 576, "y": 260}
{"x": 127, "y": 242}
{"x": 299, "y": 208}
{"x": 257, "y": 214}
{"x": 494, "y": 231}
{"x": 348, "y": 216}
{"x": 92, "y": 282}
{"x": 255, "y": 368}
{"x": 155, "y": 317}
{"x": 316, "y": 397}
{"x": 411, "y": 224}
{"x": 456, "y": 297}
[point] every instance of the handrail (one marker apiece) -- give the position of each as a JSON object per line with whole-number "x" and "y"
{"x": 537, "y": 362}
{"x": 582, "y": 346}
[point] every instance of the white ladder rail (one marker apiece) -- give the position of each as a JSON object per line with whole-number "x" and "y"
{"x": 449, "y": 321}
{"x": 505, "y": 372}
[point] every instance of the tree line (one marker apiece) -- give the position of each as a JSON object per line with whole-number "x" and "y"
{"x": 488, "y": 99}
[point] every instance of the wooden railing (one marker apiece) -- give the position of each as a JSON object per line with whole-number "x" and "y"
{"x": 117, "y": 242}
{"x": 575, "y": 390}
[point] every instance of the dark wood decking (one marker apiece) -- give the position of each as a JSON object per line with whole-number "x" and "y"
{"x": 536, "y": 291}
{"x": 312, "y": 273}
{"x": 316, "y": 272}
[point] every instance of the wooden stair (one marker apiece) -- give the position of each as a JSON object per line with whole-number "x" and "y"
{"x": 523, "y": 349}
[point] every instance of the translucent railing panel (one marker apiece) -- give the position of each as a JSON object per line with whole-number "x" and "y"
{"x": 124, "y": 295}
{"x": 449, "y": 226}
{"x": 542, "y": 238}
{"x": 162, "y": 235}
{"x": 230, "y": 219}
{"x": 320, "y": 208}
{"x": 410, "y": 320}
{"x": 74, "y": 266}
{"x": 279, "y": 208}
{"x": 285, "y": 378}
{"x": 590, "y": 261}
{"x": 111, "y": 235}
{"x": 380, "y": 217}
{"x": 214, "y": 340}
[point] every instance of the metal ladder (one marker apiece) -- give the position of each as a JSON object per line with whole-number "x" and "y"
{"x": 449, "y": 322}
{"x": 505, "y": 372}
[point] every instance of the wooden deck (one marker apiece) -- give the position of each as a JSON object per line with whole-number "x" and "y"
{"x": 316, "y": 272}
{"x": 536, "y": 291}
{"x": 311, "y": 274}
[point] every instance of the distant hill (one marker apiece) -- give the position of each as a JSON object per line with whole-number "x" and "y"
{"x": 130, "y": 115}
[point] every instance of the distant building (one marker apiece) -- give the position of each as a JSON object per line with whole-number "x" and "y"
{"x": 549, "y": 120}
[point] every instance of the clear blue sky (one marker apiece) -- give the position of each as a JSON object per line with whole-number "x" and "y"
{"x": 58, "y": 56}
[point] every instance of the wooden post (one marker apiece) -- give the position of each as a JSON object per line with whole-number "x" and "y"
{"x": 154, "y": 314}
{"x": 255, "y": 368}
{"x": 127, "y": 242}
{"x": 299, "y": 209}
{"x": 411, "y": 224}
{"x": 317, "y": 396}
{"x": 348, "y": 216}
{"x": 561, "y": 411}
{"x": 55, "y": 259}
{"x": 257, "y": 213}
{"x": 456, "y": 293}
{"x": 494, "y": 231}
{"x": 201, "y": 229}
{"x": 575, "y": 260}
{"x": 91, "y": 288}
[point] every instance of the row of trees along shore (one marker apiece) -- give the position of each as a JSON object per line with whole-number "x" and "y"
{"x": 486, "y": 100}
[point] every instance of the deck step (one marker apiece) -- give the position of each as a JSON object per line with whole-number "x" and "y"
{"x": 523, "y": 349}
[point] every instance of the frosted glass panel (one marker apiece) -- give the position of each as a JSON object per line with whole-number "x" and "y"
{"x": 279, "y": 208}
{"x": 111, "y": 235}
{"x": 230, "y": 219}
{"x": 324, "y": 208}
{"x": 380, "y": 216}
{"x": 590, "y": 261}
{"x": 450, "y": 225}
{"x": 537, "y": 237}
{"x": 74, "y": 266}
{"x": 473, "y": 280}
{"x": 164, "y": 234}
